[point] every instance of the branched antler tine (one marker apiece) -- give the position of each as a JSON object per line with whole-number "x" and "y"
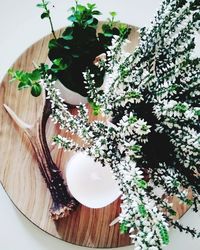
{"x": 16, "y": 119}
{"x": 63, "y": 203}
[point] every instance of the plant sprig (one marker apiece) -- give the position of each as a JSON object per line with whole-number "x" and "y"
{"x": 113, "y": 27}
{"x": 46, "y": 14}
{"x": 27, "y": 80}
{"x": 84, "y": 15}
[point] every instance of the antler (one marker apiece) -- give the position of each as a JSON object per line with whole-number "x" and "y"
{"x": 63, "y": 202}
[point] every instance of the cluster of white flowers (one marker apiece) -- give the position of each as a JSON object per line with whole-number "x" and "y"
{"x": 111, "y": 144}
{"x": 149, "y": 94}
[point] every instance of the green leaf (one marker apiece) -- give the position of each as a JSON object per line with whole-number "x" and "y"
{"x": 172, "y": 212}
{"x": 35, "y": 75}
{"x": 36, "y": 90}
{"x": 23, "y": 76}
{"x": 95, "y": 112}
{"x": 63, "y": 66}
{"x": 180, "y": 107}
{"x": 123, "y": 228}
{"x": 96, "y": 108}
{"x": 96, "y": 12}
{"x": 68, "y": 37}
{"x": 60, "y": 65}
{"x": 108, "y": 34}
{"x": 66, "y": 47}
{"x": 113, "y": 14}
{"x": 23, "y": 85}
{"x": 72, "y": 9}
{"x": 132, "y": 119}
{"x": 19, "y": 75}
{"x": 142, "y": 184}
{"x": 189, "y": 202}
{"x": 72, "y": 18}
{"x": 94, "y": 24}
{"x": 75, "y": 55}
{"x": 164, "y": 234}
{"x": 45, "y": 15}
{"x": 54, "y": 70}
{"x": 80, "y": 8}
{"x": 68, "y": 33}
{"x": 197, "y": 112}
{"x": 105, "y": 27}
{"x": 90, "y": 21}
{"x": 91, "y": 6}
{"x": 53, "y": 44}
{"x": 40, "y": 5}
{"x": 11, "y": 71}
{"x": 57, "y": 61}
{"x": 142, "y": 210}
{"x": 44, "y": 69}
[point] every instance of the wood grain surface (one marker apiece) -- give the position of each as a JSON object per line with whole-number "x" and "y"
{"x": 21, "y": 177}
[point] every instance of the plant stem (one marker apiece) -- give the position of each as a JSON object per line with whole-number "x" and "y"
{"x": 52, "y": 30}
{"x": 49, "y": 17}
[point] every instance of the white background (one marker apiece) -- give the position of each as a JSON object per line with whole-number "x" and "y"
{"x": 20, "y": 26}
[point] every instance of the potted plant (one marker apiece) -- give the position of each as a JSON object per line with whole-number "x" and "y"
{"x": 79, "y": 47}
{"x": 153, "y": 139}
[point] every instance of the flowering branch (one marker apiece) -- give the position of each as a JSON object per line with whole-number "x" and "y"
{"x": 151, "y": 135}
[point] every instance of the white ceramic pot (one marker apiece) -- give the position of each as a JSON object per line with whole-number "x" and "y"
{"x": 70, "y": 96}
{"x": 90, "y": 183}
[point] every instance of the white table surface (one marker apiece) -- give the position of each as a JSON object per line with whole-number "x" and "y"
{"x": 20, "y": 27}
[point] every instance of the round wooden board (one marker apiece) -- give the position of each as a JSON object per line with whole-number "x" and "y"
{"x": 20, "y": 175}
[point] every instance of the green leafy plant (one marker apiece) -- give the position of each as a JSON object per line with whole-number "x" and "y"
{"x": 27, "y": 80}
{"x": 111, "y": 28}
{"x": 46, "y": 14}
{"x": 84, "y": 16}
{"x": 80, "y": 44}
{"x": 77, "y": 47}
{"x": 75, "y": 50}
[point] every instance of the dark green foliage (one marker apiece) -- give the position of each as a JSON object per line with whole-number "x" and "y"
{"x": 84, "y": 15}
{"x": 79, "y": 45}
{"x": 53, "y": 44}
{"x": 58, "y": 65}
{"x": 74, "y": 51}
{"x": 45, "y": 15}
{"x": 78, "y": 48}
{"x": 181, "y": 3}
{"x": 195, "y": 5}
{"x": 112, "y": 28}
